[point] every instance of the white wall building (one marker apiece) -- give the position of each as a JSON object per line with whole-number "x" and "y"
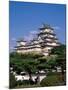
{"x": 45, "y": 41}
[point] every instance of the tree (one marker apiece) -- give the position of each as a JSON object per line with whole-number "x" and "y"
{"x": 60, "y": 51}
{"x": 12, "y": 81}
{"x": 29, "y": 67}
{"x": 62, "y": 63}
{"x": 25, "y": 62}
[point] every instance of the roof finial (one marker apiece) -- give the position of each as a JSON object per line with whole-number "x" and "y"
{"x": 43, "y": 24}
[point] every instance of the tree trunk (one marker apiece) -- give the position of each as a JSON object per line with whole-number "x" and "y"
{"x": 37, "y": 80}
{"x": 62, "y": 71}
{"x": 30, "y": 76}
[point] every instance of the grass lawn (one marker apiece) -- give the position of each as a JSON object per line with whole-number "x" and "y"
{"x": 28, "y": 86}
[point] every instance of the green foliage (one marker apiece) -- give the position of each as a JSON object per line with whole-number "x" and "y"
{"x": 32, "y": 63}
{"x": 24, "y": 82}
{"x": 27, "y": 62}
{"x": 19, "y": 83}
{"x": 60, "y": 50}
{"x": 12, "y": 80}
{"x": 51, "y": 80}
{"x": 61, "y": 58}
{"x": 53, "y": 73}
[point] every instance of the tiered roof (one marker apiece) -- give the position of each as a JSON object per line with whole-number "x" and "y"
{"x": 21, "y": 40}
{"x": 46, "y": 26}
{"x": 49, "y": 33}
{"x": 48, "y": 37}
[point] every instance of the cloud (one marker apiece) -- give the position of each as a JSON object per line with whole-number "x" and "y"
{"x": 33, "y": 32}
{"x": 56, "y": 27}
{"x": 13, "y": 39}
{"x": 30, "y": 36}
{"x": 11, "y": 47}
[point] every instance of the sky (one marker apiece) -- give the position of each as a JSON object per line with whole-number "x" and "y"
{"x": 25, "y": 19}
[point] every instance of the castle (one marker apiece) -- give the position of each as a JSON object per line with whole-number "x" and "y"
{"x": 44, "y": 41}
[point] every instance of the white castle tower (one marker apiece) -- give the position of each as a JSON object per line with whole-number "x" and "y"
{"x": 21, "y": 46}
{"x": 47, "y": 38}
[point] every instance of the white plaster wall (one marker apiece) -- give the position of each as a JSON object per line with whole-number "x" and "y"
{"x": 51, "y": 36}
{"x": 53, "y": 44}
{"x": 21, "y": 43}
{"x": 26, "y": 77}
{"x": 37, "y": 49}
{"x": 48, "y": 48}
{"x": 35, "y": 41}
{"x": 18, "y": 51}
{"x": 49, "y": 39}
{"x": 29, "y": 50}
{"x": 37, "y": 45}
{"x": 46, "y": 54}
{"x": 48, "y": 30}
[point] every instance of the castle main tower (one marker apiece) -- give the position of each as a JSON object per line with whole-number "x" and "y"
{"x": 47, "y": 38}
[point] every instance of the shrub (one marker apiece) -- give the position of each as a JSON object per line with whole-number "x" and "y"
{"x": 53, "y": 80}
{"x": 12, "y": 81}
{"x": 53, "y": 73}
{"x": 19, "y": 82}
{"x": 28, "y": 82}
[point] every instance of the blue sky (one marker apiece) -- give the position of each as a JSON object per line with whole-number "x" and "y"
{"x": 25, "y": 18}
